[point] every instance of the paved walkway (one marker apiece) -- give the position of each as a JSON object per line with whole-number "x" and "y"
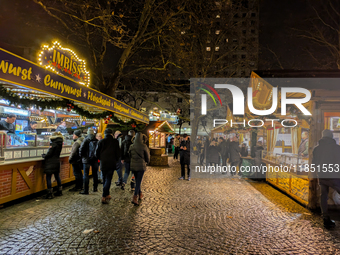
{"x": 203, "y": 216}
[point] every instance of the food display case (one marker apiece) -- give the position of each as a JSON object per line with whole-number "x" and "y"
{"x": 34, "y": 146}
{"x": 293, "y": 161}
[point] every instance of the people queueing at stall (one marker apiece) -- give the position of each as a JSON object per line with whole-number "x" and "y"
{"x": 76, "y": 161}
{"x": 52, "y": 163}
{"x": 62, "y": 128}
{"x": 32, "y": 127}
{"x": 89, "y": 159}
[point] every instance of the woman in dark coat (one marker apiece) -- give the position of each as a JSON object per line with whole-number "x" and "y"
{"x": 212, "y": 154}
{"x": 140, "y": 156}
{"x": 52, "y": 163}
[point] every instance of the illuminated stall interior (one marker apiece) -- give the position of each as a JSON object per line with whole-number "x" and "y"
{"x": 157, "y": 131}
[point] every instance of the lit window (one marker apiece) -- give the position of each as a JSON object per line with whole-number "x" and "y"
{"x": 208, "y": 49}
{"x": 217, "y": 48}
{"x": 218, "y": 16}
{"x": 217, "y": 32}
{"x": 226, "y": 40}
{"x": 183, "y": 32}
{"x": 208, "y": 41}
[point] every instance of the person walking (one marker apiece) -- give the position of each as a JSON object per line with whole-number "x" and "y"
{"x": 108, "y": 153}
{"x": 99, "y": 137}
{"x": 212, "y": 154}
{"x": 140, "y": 156}
{"x": 52, "y": 163}
{"x": 125, "y": 156}
{"x": 118, "y": 135}
{"x": 326, "y": 155}
{"x": 235, "y": 155}
{"x": 223, "y": 150}
{"x": 185, "y": 156}
{"x": 87, "y": 154}
{"x": 75, "y": 160}
{"x": 177, "y": 145}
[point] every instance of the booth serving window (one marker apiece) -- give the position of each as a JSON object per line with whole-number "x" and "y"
{"x": 284, "y": 141}
{"x": 332, "y": 122}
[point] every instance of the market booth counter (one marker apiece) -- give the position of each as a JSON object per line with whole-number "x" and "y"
{"x": 157, "y": 131}
{"x": 29, "y": 87}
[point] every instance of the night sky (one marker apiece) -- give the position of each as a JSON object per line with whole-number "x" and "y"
{"x": 24, "y": 24}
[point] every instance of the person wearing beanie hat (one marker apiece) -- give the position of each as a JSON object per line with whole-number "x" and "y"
{"x": 87, "y": 154}
{"x": 326, "y": 156}
{"x": 75, "y": 160}
{"x": 108, "y": 152}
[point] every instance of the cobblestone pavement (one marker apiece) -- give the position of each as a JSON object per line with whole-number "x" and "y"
{"x": 203, "y": 216}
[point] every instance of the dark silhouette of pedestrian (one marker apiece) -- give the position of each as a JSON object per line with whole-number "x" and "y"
{"x": 75, "y": 160}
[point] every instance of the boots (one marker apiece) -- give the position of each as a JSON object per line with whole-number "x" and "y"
{"x": 132, "y": 183}
{"x": 135, "y": 200}
{"x": 140, "y": 195}
{"x": 59, "y": 192}
{"x": 49, "y": 194}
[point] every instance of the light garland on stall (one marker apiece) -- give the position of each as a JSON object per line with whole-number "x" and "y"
{"x": 53, "y": 66}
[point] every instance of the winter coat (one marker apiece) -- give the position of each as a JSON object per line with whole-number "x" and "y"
{"x": 61, "y": 129}
{"x": 74, "y": 156}
{"x": 52, "y": 157}
{"x": 139, "y": 154}
{"x": 244, "y": 151}
{"x": 84, "y": 149}
{"x": 185, "y": 154}
{"x": 108, "y": 152}
{"x": 258, "y": 155}
{"x": 212, "y": 154}
{"x": 125, "y": 148}
{"x": 223, "y": 148}
{"x": 303, "y": 148}
{"x": 176, "y": 142}
{"x": 234, "y": 152}
{"x": 326, "y": 152}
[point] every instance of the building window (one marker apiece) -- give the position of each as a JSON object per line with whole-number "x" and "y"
{"x": 183, "y": 32}
{"x": 226, "y": 40}
{"x": 243, "y": 48}
{"x": 208, "y": 48}
{"x": 217, "y": 32}
{"x": 217, "y": 48}
{"x": 234, "y": 56}
{"x": 244, "y": 32}
{"x": 243, "y": 56}
{"x": 218, "y": 16}
{"x": 179, "y": 100}
{"x": 235, "y": 40}
{"x": 244, "y": 15}
{"x": 253, "y": 14}
{"x": 252, "y": 22}
{"x": 252, "y": 63}
{"x": 253, "y": 31}
{"x": 217, "y": 23}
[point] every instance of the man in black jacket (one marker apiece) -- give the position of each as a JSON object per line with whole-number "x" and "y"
{"x": 185, "y": 156}
{"x": 326, "y": 160}
{"x": 125, "y": 157}
{"x": 75, "y": 160}
{"x": 87, "y": 154}
{"x": 223, "y": 148}
{"x": 108, "y": 153}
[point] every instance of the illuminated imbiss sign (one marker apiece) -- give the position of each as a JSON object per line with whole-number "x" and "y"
{"x": 64, "y": 61}
{"x": 9, "y": 110}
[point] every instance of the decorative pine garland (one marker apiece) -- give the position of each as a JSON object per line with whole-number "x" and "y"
{"x": 26, "y": 102}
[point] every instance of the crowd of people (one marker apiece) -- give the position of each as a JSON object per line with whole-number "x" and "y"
{"x": 103, "y": 156}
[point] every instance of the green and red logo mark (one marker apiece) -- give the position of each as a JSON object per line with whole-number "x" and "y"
{"x": 209, "y": 93}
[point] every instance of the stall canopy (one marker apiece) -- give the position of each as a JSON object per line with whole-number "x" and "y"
{"x": 26, "y": 78}
{"x": 160, "y": 126}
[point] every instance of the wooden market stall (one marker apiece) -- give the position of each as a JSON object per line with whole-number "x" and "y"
{"x": 283, "y": 144}
{"x": 157, "y": 132}
{"x": 47, "y": 85}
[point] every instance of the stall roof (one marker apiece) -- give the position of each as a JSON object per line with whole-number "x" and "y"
{"x": 20, "y": 74}
{"x": 160, "y": 126}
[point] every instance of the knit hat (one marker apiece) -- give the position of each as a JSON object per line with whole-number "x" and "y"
{"x": 117, "y": 133}
{"x": 108, "y": 131}
{"x": 77, "y": 133}
{"x": 327, "y": 133}
{"x": 90, "y": 131}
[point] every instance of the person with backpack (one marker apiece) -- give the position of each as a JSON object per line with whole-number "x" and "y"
{"x": 125, "y": 156}
{"x": 140, "y": 156}
{"x": 108, "y": 153}
{"x": 75, "y": 160}
{"x": 87, "y": 154}
{"x": 52, "y": 163}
